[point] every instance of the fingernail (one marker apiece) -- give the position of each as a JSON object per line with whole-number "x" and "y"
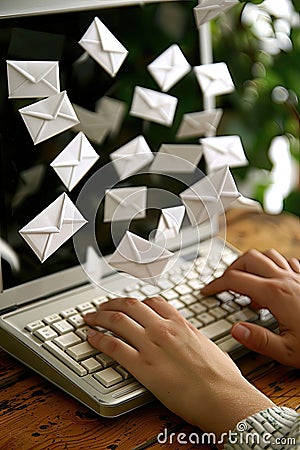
{"x": 91, "y": 333}
{"x": 241, "y": 333}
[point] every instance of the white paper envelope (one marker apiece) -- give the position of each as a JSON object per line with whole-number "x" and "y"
{"x": 210, "y": 196}
{"x": 214, "y": 79}
{"x": 103, "y": 47}
{"x": 177, "y": 158}
{"x": 127, "y": 203}
{"x": 113, "y": 111}
{"x": 131, "y": 157}
{"x": 169, "y": 223}
{"x": 210, "y": 9}
{"x": 32, "y": 79}
{"x": 154, "y": 106}
{"x": 93, "y": 266}
{"x": 170, "y": 67}
{"x": 49, "y": 117}
{"x": 199, "y": 123}
{"x": 140, "y": 258}
{"x": 52, "y": 227}
{"x": 222, "y": 151}
{"x": 75, "y": 161}
{"x": 94, "y": 125}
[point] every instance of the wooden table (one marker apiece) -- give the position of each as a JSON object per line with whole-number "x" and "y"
{"x": 36, "y": 415}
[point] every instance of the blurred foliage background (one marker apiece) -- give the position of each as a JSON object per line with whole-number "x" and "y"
{"x": 260, "y": 42}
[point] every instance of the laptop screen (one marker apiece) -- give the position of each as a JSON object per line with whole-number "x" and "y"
{"x": 33, "y": 177}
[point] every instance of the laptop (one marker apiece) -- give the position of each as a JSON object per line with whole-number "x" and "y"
{"x": 42, "y": 299}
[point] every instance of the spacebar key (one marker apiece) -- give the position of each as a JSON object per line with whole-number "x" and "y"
{"x": 67, "y": 360}
{"x": 217, "y": 329}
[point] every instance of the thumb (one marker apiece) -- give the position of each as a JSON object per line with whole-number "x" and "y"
{"x": 261, "y": 340}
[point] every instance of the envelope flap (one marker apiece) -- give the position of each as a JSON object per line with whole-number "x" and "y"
{"x": 34, "y": 71}
{"x": 173, "y": 216}
{"x": 108, "y": 41}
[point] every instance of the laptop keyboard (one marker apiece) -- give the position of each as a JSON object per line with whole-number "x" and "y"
{"x": 63, "y": 333}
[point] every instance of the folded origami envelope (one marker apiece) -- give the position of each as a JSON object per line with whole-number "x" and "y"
{"x": 154, "y": 106}
{"x": 199, "y": 123}
{"x": 210, "y": 9}
{"x": 140, "y": 258}
{"x": 169, "y": 223}
{"x": 169, "y": 67}
{"x": 113, "y": 111}
{"x": 177, "y": 158}
{"x": 214, "y": 79}
{"x": 93, "y": 266}
{"x": 103, "y": 47}
{"x": 132, "y": 157}
{"x": 222, "y": 151}
{"x": 75, "y": 161}
{"x": 210, "y": 196}
{"x": 93, "y": 124}
{"x": 52, "y": 227}
{"x": 127, "y": 203}
{"x": 32, "y": 79}
{"x": 49, "y": 117}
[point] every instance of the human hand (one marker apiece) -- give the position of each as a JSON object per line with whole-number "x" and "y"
{"x": 272, "y": 282}
{"x": 179, "y": 365}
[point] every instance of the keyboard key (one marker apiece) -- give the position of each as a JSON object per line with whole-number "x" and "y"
{"x": 164, "y": 284}
{"x": 183, "y": 289}
{"x": 188, "y": 299}
{"x": 63, "y": 357}
{"x": 123, "y": 372}
{"x": 192, "y": 275}
{"x": 132, "y": 287}
{"x": 170, "y": 295}
{"x": 218, "y": 313}
{"x": 231, "y": 306}
{"x": 68, "y": 312}
{"x": 91, "y": 365}
{"x": 136, "y": 294}
{"x": 98, "y": 301}
{"x": 196, "y": 284}
{"x": 84, "y": 306}
{"x": 265, "y": 315}
{"x": 195, "y": 322}
{"x": 198, "y": 308}
{"x": 210, "y": 302}
{"x": 81, "y": 351}
{"x": 177, "y": 278}
{"x": 186, "y": 313}
{"x": 206, "y": 318}
{"x": 225, "y": 296}
{"x": 76, "y": 320}
{"x": 67, "y": 340}
{"x": 62, "y": 327}
{"x": 45, "y": 333}
{"x": 150, "y": 291}
{"x": 245, "y": 315}
{"x": 82, "y": 332}
{"x": 243, "y": 300}
{"x": 108, "y": 377}
{"x": 105, "y": 360}
{"x": 32, "y": 326}
{"x": 177, "y": 304}
{"x": 51, "y": 319}
{"x": 229, "y": 344}
{"x": 217, "y": 329}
